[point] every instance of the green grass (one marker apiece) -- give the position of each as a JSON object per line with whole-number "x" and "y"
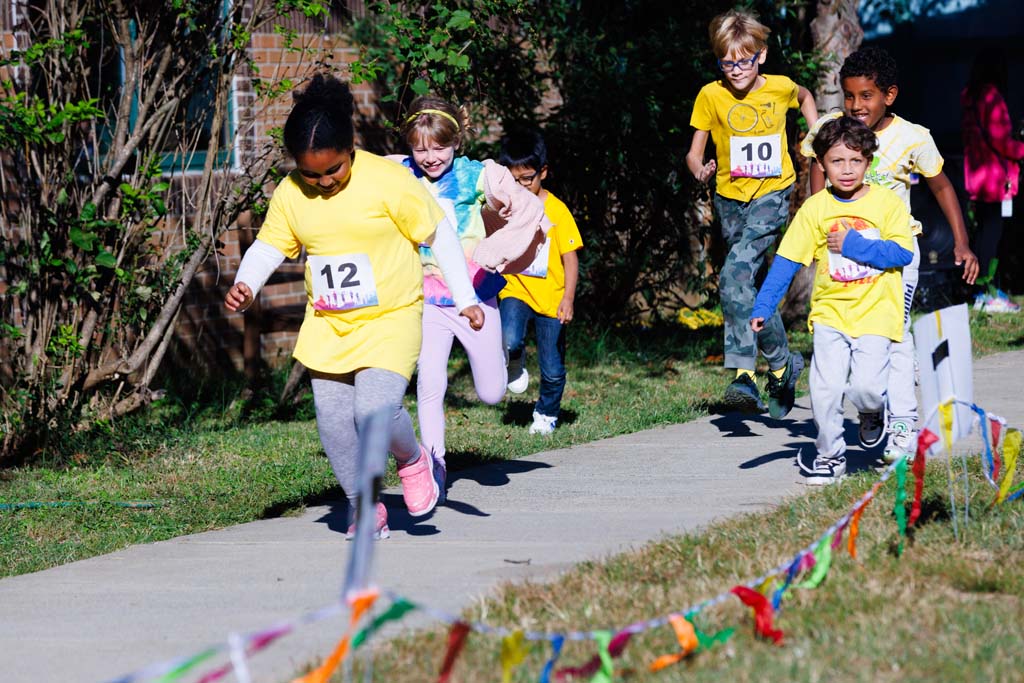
{"x": 208, "y": 459}
{"x": 944, "y": 611}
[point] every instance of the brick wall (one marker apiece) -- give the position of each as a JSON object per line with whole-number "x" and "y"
{"x": 207, "y": 333}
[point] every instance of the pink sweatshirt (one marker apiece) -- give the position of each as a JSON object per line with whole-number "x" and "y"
{"x": 990, "y": 152}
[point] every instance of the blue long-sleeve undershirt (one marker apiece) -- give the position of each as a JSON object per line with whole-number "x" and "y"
{"x": 880, "y": 254}
{"x": 775, "y": 285}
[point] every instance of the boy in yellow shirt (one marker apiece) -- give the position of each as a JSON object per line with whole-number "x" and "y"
{"x": 744, "y": 114}
{"x": 859, "y": 235}
{"x": 545, "y": 291}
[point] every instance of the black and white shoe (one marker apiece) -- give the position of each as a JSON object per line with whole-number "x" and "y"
{"x": 872, "y": 429}
{"x": 824, "y": 470}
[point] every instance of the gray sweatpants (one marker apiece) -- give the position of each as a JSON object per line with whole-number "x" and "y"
{"x": 856, "y": 366}
{"x": 344, "y": 403}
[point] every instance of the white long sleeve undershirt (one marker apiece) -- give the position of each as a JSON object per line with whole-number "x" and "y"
{"x": 261, "y": 260}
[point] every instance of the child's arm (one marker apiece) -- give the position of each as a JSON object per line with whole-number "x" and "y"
{"x": 807, "y": 105}
{"x": 775, "y": 285}
{"x": 695, "y": 158}
{"x": 945, "y": 195}
{"x": 571, "y": 263}
{"x": 881, "y": 254}
{"x": 258, "y": 264}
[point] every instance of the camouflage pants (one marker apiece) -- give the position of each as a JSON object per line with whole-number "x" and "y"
{"x": 750, "y": 229}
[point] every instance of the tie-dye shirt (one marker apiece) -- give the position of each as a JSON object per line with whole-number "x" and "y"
{"x": 460, "y": 192}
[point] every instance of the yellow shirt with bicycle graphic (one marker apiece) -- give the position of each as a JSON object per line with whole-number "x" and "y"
{"x": 749, "y": 136}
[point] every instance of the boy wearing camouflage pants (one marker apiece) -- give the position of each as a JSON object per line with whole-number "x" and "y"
{"x": 744, "y": 113}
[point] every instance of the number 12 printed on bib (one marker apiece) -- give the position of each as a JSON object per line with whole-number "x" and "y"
{"x": 341, "y": 283}
{"x": 755, "y": 156}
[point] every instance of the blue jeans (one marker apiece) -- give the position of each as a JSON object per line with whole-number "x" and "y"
{"x": 515, "y": 315}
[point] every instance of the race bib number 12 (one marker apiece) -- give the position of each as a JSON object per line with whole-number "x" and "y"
{"x": 755, "y": 156}
{"x": 341, "y": 283}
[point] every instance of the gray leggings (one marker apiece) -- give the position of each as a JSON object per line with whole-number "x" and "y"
{"x": 344, "y": 402}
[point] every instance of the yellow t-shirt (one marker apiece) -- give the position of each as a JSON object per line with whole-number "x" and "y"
{"x": 761, "y": 114}
{"x": 543, "y": 294}
{"x": 362, "y": 244}
{"x": 869, "y": 305}
{"x": 904, "y": 148}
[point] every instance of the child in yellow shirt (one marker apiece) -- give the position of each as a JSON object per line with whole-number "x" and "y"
{"x": 744, "y": 114}
{"x": 545, "y": 291}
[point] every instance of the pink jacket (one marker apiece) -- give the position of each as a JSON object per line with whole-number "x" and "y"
{"x": 514, "y": 219}
{"x": 990, "y": 153}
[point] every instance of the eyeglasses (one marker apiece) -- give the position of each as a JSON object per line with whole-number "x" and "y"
{"x": 744, "y": 64}
{"x": 526, "y": 180}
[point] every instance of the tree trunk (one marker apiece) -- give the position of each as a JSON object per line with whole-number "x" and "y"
{"x": 837, "y": 33}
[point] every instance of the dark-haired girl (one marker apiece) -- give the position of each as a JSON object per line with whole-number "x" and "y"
{"x": 360, "y": 218}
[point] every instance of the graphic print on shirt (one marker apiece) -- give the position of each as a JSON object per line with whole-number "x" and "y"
{"x": 843, "y": 269}
{"x": 875, "y": 176}
{"x": 754, "y": 156}
{"x": 341, "y": 283}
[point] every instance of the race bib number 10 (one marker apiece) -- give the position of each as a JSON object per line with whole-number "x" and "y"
{"x": 755, "y": 156}
{"x": 341, "y": 283}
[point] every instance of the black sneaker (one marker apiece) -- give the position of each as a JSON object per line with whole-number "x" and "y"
{"x": 823, "y": 470}
{"x": 872, "y": 429}
{"x": 742, "y": 396}
{"x": 782, "y": 390}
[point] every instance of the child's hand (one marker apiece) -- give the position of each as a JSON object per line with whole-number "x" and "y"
{"x": 238, "y": 298}
{"x": 964, "y": 255}
{"x": 757, "y": 324}
{"x": 707, "y": 171}
{"x": 565, "y": 308}
{"x": 475, "y": 314}
{"x": 835, "y": 241}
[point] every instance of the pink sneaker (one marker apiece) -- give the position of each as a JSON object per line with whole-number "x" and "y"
{"x": 419, "y": 489}
{"x": 381, "y": 530}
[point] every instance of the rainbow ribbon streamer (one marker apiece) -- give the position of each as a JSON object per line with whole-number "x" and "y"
{"x": 815, "y": 558}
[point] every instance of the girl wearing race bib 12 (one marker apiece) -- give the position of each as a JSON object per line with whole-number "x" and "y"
{"x": 360, "y": 219}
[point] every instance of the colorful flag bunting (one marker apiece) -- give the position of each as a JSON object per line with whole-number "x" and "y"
{"x": 359, "y": 603}
{"x": 513, "y": 652}
{"x": 762, "y": 613}
{"x": 688, "y": 643}
{"x": 925, "y": 439}
{"x": 557, "y": 641}
{"x": 456, "y": 641}
{"x": 398, "y": 609}
{"x": 899, "y": 506}
{"x": 822, "y": 563}
{"x": 1011, "y": 448}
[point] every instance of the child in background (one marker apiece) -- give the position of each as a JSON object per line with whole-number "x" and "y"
{"x": 466, "y": 189}
{"x": 991, "y": 168}
{"x": 744, "y": 113}
{"x": 360, "y": 219}
{"x": 545, "y": 291}
{"x": 860, "y": 237}
{"x": 869, "y": 81}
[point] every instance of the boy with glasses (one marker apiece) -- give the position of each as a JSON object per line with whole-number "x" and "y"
{"x": 744, "y": 113}
{"x": 544, "y": 292}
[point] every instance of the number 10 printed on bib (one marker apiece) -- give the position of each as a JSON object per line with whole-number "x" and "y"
{"x": 341, "y": 283}
{"x": 755, "y": 156}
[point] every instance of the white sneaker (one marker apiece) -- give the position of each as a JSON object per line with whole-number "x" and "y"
{"x": 902, "y": 441}
{"x": 1000, "y": 304}
{"x": 543, "y": 424}
{"x": 520, "y": 383}
{"x": 823, "y": 470}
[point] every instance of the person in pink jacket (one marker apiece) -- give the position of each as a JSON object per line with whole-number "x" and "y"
{"x": 991, "y": 173}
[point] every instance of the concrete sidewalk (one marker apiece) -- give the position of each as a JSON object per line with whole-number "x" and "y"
{"x": 100, "y": 618}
